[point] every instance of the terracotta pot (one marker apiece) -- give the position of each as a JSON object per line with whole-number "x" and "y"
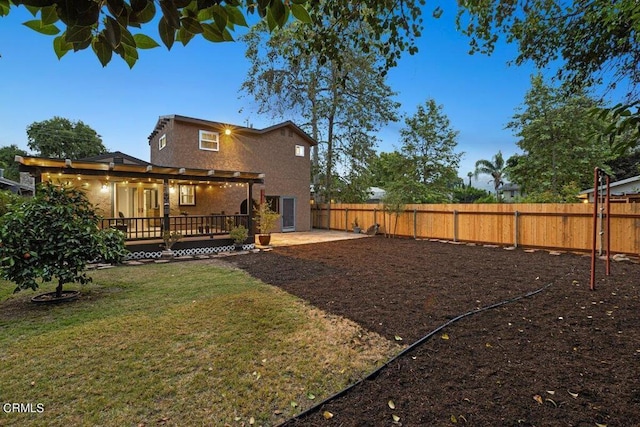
{"x": 264, "y": 239}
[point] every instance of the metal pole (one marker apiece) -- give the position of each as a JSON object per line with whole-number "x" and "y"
{"x": 592, "y": 284}
{"x": 608, "y": 229}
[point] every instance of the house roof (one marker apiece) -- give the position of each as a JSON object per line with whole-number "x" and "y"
{"x": 163, "y": 120}
{"x": 113, "y": 157}
{"x": 14, "y": 186}
{"x": 96, "y": 168}
{"x": 617, "y": 184}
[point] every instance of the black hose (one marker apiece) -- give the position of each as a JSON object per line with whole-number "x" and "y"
{"x": 413, "y": 346}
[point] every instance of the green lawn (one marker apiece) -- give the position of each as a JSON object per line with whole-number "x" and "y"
{"x": 174, "y": 344}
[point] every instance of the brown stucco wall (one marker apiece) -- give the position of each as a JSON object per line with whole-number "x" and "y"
{"x": 271, "y": 153}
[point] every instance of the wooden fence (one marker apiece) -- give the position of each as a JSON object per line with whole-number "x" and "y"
{"x": 557, "y": 226}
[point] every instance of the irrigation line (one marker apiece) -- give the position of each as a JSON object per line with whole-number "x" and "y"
{"x": 407, "y": 350}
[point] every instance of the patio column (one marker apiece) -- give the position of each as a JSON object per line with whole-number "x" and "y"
{"x": 250, "y": 207}
{"x": 165, "y": 198}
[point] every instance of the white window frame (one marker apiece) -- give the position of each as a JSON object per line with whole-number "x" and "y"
{"x": 162, "y": 141}
{"x": 299, "y": 150}
{"x": 187, "y": 195}
{"x": 215, "y": 142}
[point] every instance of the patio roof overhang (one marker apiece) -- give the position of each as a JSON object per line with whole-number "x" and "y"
{"x": 41, "y": 165}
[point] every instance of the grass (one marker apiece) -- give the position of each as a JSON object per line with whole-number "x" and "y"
{"x": 175, "y": 344}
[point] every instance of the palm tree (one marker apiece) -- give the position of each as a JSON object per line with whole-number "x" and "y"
{"x": 493, "y": 167}
{"x": 470, "y": 174}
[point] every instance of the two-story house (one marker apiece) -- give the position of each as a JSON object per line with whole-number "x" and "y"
{"x": 280, "y": 153}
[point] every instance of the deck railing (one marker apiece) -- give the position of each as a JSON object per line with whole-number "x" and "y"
{"x": 147, "y": 228}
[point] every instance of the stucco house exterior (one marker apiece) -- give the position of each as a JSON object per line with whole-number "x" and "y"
{"x": 626, "y": 190}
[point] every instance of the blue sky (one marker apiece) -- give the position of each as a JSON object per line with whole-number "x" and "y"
{"x": 478, "y": 93}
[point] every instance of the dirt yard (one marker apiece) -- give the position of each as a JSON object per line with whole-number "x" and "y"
{"x": 565, "y": 356}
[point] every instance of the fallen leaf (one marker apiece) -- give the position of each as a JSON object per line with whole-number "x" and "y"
{"x": 538, "y": 398}
{"x": 294, "y": 404}
{"x": 398, "y": 338}
{"x": 454, "y": 419}
{"x": 391, "y": 404}
{"x": 574, "y": 395}
{"x": 445, "y": 336}
{"x": 488, "y": 345}
{"x": 311, "y": 396}
{"x": 395, "y": 418}
{"x": 327, "y": 415}
{"x": 252, "y": 421}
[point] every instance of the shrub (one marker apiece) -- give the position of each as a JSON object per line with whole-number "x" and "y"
{"x": 266, "y": 218}
{"x": 112, "y": 249}
{"x": 52, "y": 235}
{"x": 239, "y": 234}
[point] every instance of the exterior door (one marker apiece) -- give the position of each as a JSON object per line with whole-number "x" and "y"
{"x": 288, "y": 214}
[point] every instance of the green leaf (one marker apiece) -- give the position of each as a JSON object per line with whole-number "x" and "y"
{"x": 279, "y": 12}
{"x": 235, "y": 16}
{"x": 32, "y": 9}
{"x": 130, "y": 55}
{"x": 112, "y": 32}
{"x": 170, "y": 14}
{"x": 167, "y": 33}
{"x": 146, "y": 15}
{"x": 271, "y": 22}
{"x": 219, "y": 17}
{"x": 191, "y": 25}
{"x": 78, "y": 34}
{"x": 37, "y": 25}
{"x": 184, "y": 36}
{"x": 144, "y": 42}
{"x": 49, "y": 15}
{"x": 226, "y": 36}
{"x": 127, "y": 38}
{"x": 102, "y": 49}
{"x": 61, "y": 46}
{"x": 300, "y": 13}
{"x": 211, "y": 33}
{"x": 4, "y": 7}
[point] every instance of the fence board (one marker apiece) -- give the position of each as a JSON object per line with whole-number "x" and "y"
{"x": 560, "y": 226}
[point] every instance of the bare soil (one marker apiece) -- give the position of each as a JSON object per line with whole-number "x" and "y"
{"x": 566, "y": 356}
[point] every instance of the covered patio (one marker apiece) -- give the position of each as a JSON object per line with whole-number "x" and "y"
{"x": 145, "y": 200}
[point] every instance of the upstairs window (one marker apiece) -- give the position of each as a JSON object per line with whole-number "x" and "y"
{"x": 162, "y": 142}
{"x": 300, "y": 150}
{"x": 209, "y": 140}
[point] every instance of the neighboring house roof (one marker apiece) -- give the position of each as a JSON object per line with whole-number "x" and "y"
{"x": 115, "y": 157}
{"x": 163, "y": 120}
{"x": 14, "y": 186}
{"x": 376, "y": 193}
{"x": 625, "y": 186}
{"x": 510, "y": 187}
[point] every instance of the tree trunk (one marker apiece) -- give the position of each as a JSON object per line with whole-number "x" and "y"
{"x": 59, "y": 289}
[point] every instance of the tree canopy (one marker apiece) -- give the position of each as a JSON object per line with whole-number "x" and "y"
{"x": 64, "y": 139}
{"x": 115, "y": 26}
{"x": 592, "y": 41}
{"x": 7, "y": 162}
{"x": 554, "y": 130}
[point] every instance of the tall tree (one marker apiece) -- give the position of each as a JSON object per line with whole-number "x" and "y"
{"x": 429, "y": 142}
{"x": 63, "y": 139}
{"x": 495, "y": 168}
{"x": 592, "y": 41}
{"x": 106, "y": 26}
{"x": 555, "y": 131}
{"x": 8, "y": 163}
{"x": 341, "y": 103}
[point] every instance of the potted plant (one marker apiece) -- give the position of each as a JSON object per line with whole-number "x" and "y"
{"x": 356, "y": 226}
{"x": 239, "y": 234}
{"x": 266, "y": 220}
{"x": 170, "y": 238}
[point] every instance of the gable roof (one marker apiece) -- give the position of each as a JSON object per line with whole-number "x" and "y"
{"x": 110, "y": 157}
{"x": 163, "y": 120}
{"x": 613, "y": 185}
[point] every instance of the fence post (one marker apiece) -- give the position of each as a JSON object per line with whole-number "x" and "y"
{"x": 415, "y": 225}
{"x": 516, "y": 225}
{"x": 455, "y": 225}
{"x": 375, "y": 216}
{"x": 346, "y": 219}
{"x": 329, "y": 216}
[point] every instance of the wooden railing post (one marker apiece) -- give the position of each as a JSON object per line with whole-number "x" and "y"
{"x": 415, "y": 223}
{"x": 346, "y": 219}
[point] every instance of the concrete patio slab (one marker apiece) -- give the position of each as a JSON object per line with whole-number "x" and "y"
{"x": 313, "y": 236}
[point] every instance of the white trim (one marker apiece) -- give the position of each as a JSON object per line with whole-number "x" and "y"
{"x": 162, "y": 139}
{"x": 299, "y": 150}
{"x": 215, "y": 141}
